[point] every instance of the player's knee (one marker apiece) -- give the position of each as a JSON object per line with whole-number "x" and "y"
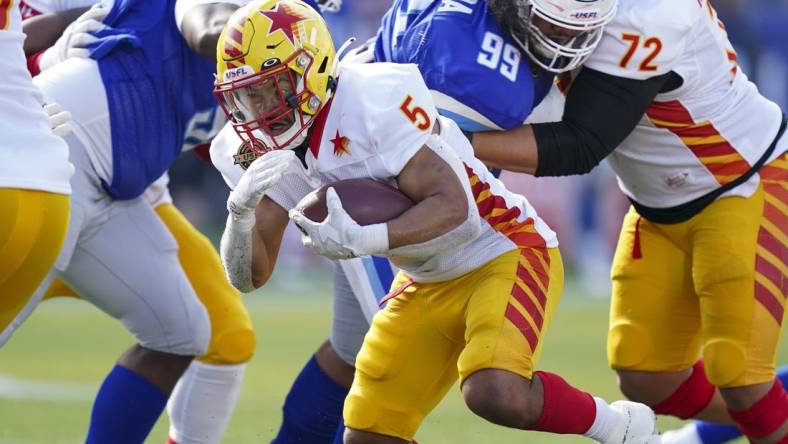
{"x": 725, "y": 362}
{"x": 645, "y": 387}
{"x": 628, "y": 345}
{"x": 499, "y": 398}
{"x": 230, "y": 347}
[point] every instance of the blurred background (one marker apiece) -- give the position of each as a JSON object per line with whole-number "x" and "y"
{"x": 50, "y": 370}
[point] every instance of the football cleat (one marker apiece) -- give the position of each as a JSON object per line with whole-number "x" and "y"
{"x": 636, "y": 424}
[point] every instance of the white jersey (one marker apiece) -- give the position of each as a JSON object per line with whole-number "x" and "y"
{"x": 31, "y": 156}
{"x": 705, "y": 133}
{"x": 32, "y": 8}
{"x": 379, "y": 117}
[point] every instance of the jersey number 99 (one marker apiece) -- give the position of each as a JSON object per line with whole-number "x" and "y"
{"x": 498, "y": 55}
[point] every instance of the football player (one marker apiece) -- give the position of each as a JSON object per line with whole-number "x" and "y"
{"x": 481, "y": 272}
{"x": 34, "y": 181}
{"x": 700, "y": 268}
{"x": 203, "y": 400}
{"x": 495, "y": 85}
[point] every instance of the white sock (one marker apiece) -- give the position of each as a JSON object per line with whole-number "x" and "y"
{"x": 603, "y": 422}
{"x": 203, "y": 402}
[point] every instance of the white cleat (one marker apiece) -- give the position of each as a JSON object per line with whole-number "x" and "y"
{"x": 685, "y": 435}
{"x": 636, "y": 424}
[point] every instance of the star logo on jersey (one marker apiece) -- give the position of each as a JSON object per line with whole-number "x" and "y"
{"x": 341, "y": 145}
{"x": 244, "y": 157}
{"x": 283, "y": 19}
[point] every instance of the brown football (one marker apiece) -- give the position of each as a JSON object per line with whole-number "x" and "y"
{"x": 367, "y": 201}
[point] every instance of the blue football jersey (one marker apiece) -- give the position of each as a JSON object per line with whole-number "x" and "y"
{"x": 157, "y": 88}
{"x": 480, "y": 77}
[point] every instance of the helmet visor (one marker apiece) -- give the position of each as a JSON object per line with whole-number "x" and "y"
{"x": 269, "y": 100}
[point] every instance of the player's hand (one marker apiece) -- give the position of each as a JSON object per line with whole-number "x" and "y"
{"x": 339, "y": 236}
{"x": 261, "y": 175}
{"x": 76, "y": 37}
{"x": 59, "y": 119}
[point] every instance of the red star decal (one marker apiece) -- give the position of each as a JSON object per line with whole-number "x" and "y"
{"x": 282, "y": 18}
{"x": 341, "y": 145}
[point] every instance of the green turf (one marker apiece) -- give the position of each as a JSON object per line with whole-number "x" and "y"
{"x": 72, "y": 345}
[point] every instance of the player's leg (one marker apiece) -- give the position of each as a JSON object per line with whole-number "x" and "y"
{"x": 33, "y": 225}
{"x": 739, "y": 266}
{"x": 702, "y": 432}
{"x": 313, "y": 408}
{"x": 405, "y": 366}
{"x": 203, "y": 401}
{"x": 654, "y": 337}
{"x": 126, "y": 264}
{"x": 510, "y": 309}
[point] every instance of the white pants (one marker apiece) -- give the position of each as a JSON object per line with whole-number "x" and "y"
{"x": 359, "y": 285}
{"x": 118, "y": 254}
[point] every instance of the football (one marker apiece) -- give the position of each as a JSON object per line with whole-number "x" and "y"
{"x": 367, "y": 201}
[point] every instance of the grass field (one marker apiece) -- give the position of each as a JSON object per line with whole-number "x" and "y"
{"x": 50, "y": 370}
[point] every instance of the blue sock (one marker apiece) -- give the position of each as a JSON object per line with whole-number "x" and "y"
{"x": 711, "y": 433}
{"x": 313, "y": 408}
{"x": 126, "y": 409}
{"x": 338, "y": 438}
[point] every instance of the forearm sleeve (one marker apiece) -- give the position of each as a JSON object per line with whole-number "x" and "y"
{"x": 236, "y": 252}
{"x": 601, "y": 110}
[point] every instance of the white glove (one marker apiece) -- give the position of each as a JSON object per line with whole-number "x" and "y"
{"x": 261, "y": 175}
{"x": 76, "y": 37}
{"x": 58, "y": 119}
{"x": 339, "y": 236}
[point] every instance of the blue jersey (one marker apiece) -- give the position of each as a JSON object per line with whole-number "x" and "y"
{"x": 156, "y": 87}
{"x": 482, "y": 78}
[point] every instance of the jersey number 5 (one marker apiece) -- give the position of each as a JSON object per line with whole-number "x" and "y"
{"x": 652, "y": 43}
{"x": 5, "y": 13}
{"x": 416, "y": 114}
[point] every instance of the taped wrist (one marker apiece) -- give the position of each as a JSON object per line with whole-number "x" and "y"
{"x": 236, "y": 251}
{"x": 373, "y": 239}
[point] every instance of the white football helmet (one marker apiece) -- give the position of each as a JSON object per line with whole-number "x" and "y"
{"x": 584, "y": 18}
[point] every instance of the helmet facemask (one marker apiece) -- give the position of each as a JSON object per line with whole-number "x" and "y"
{"x": 561, "y": 55}
{"x": 581, "y": 29}
{"x": 271, "y": 109}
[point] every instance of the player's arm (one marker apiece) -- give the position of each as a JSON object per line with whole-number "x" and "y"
{"x": 600, "y": 112}
{"x": 255, "y": 223}
{"x": 443, "y": 217}
{"x": 202, "y": 25}
{"x": 43, "y": 30}
{"x": 442, "y": 206}
{"x": 249, "y": 254}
